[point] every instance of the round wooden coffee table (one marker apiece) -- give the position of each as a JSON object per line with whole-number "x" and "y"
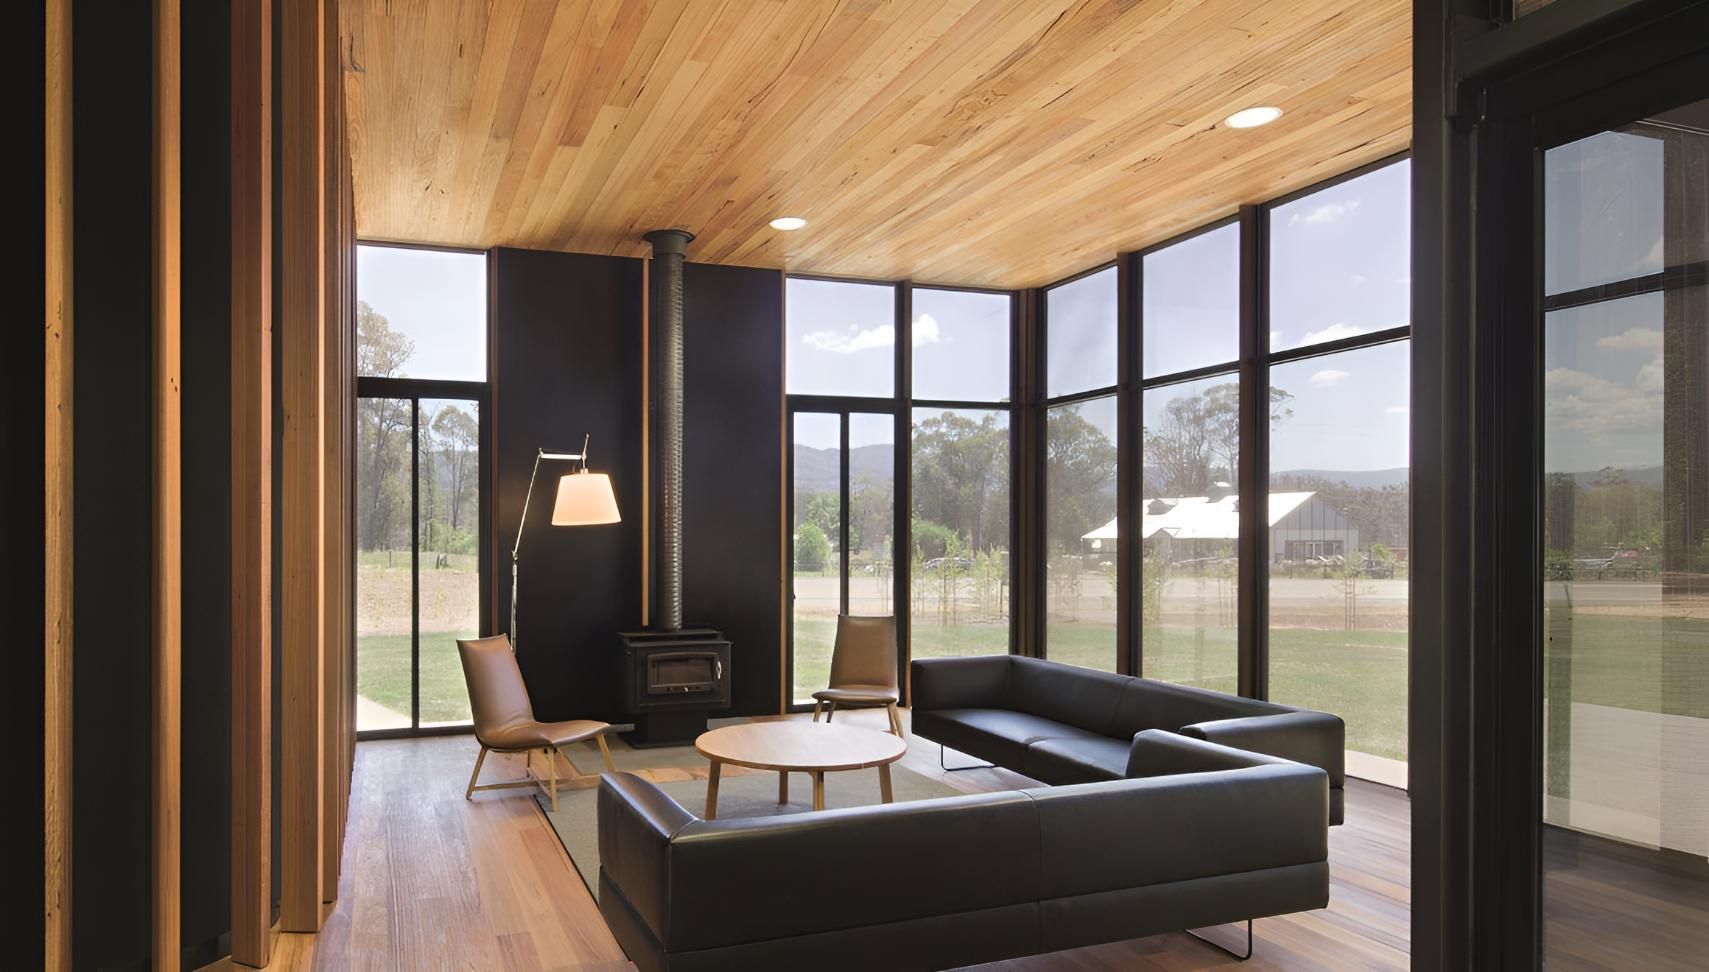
{"x": 814, "y": 748}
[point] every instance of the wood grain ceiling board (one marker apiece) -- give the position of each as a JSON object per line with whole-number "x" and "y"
{"x": 1002, "y": 143}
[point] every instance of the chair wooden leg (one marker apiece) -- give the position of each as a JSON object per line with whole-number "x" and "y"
{"x": 895, "y": 719}
{"x": 552, "y": 759}
{"x": 605, "y": 754}
{"x": 469, "y": 794}
{"x": 831, "y": 711}
{"x": 818, "y": 708}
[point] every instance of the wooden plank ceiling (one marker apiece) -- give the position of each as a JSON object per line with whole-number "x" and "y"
{"x": 1003, "y": 143}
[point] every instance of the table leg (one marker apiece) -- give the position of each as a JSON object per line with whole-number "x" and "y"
{"x": 884, "y": 782}
{"x": 712, "y": 792}
{"x": 782, "y": 787}
{"x": 818, "y": 789}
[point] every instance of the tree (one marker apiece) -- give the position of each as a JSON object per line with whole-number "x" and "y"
{"x": 382, "y": 429}
{"x": 812, "y": 550}
{"x": 460, "y": 436}
{"x": 1080, "y": 469}
{"x": 1196, "y": 442}
{"x": 961, "y": 477}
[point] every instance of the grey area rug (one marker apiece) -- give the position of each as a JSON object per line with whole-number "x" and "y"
{"x": 751, "y": 794}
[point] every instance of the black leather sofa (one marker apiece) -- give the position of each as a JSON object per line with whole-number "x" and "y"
{"x": 1228, "y": 835}
{"x": 1063, "y": 724}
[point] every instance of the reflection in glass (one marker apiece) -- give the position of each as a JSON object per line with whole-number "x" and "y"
{"x": 1338, "y": 512}
{"x": 383, "y": 564}
{"x": 842, "y": 338}
{"x": 1191, "y": 305}
{"x": 817, "y": 577}
{"x": 1625, "y": 548}
{"x": 961, "y": 346}
{"x": 1340, "y": 260}
{"x": 421, "y": 313}
{"x": 448, "y": 502}
{"x": 1080, "y": 533}
{"x": 1080, "y": 334}
{"x": 960, "y": 569}
{"x": 1189, "y": 533}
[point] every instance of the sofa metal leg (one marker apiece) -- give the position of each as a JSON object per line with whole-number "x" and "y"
{"x": 957, "y": 769}
{"x": 1225, "y": 948}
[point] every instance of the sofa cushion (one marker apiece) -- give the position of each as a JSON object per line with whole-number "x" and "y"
{"x": 998, "y": 735}
{"x": 1075, "y": 760}
{"x": 1074, "y": 696}
{"x": 1149, "y": 704}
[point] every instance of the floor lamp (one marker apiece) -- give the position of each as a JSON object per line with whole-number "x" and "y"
{"x": 584, "y": 499}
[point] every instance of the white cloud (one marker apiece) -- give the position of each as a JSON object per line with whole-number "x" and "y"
{"x": 1329, "y": 378}
{"x": 1275, "y": 339}
{"x": 1326, "y": 213}
{"x": 926, "y": 331}
{"x": 1398, "y": 410}
{"x": 1650, "y": 377}
{"x": 1635, "y": 339}
{"x": 1357, "y": 278}
{"x": 1333, "y": 332}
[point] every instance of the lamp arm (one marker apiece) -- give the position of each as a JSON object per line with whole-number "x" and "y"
{"x": 521, "y": 524}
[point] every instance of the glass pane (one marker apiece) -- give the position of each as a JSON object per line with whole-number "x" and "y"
{"x": 817, "y": 505}
{"x": 1190, "y": 533}
{"x": 421, "y": 313}
{"x": 1080, "y": 533}
{"x": 448, "y": 504}
{"x": 383, "y": 564}
{"x": 872, "y": 514}
{"x": 1340, "y": 260}
{"x": 960, "y": 570}
{"x": 842, "y": 338}
{"x": 1191, "y": 307}
{"x": 1080, "y": 331}
{"x": 961, "y": 346}
{"x": 1602, "y": 211}
{"x": 1625, "y": 775}
{"x": 1339, "y": 502}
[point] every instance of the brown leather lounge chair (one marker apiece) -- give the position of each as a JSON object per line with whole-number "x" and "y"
{"x": 863, "y": 669}
{"x": 505, "y": 723}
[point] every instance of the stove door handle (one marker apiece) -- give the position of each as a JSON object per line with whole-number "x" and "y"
{"x": 718, "y": 669}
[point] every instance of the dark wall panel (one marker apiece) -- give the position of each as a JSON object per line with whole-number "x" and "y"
{"x": 732, "y": 469}
{"x": 111, "y": 502}
{"x": 567, "y": 362}
{"x": 206, "y": 835}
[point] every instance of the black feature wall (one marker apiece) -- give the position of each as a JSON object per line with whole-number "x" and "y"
{"x": 567, "y": 353}
{"x": 732, "y": 470}
{"x": 568, "y": 360}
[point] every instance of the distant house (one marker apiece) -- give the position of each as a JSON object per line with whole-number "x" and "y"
{"x": 1196, "y": 527}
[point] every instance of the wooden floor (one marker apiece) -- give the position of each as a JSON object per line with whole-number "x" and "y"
{"x": 433, "y": 881}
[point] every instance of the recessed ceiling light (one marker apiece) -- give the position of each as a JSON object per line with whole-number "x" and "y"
{"x": 787, "y": 223}
{"x": 1253, "y": 117}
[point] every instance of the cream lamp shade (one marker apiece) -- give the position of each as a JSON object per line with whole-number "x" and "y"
{"x": 585, "y": 499}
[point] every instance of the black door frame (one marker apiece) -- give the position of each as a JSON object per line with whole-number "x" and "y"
{"x": 1488, "y": 99}
{"x": 414, "y": 391}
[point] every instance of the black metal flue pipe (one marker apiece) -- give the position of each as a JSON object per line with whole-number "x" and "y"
{"x": 665, "y": 308}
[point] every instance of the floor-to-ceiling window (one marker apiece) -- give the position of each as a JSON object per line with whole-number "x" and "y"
{"x": 960, "y": 587}
{"x": 1189, "y": 518}
{"x": 1625, "y": 546}
{"x": 1339, "y": 293}
{"x": 1081, "y": 443}
{"x": 421, "y": 366}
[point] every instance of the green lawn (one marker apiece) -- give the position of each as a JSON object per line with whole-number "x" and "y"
{"x": 382, "y": 675}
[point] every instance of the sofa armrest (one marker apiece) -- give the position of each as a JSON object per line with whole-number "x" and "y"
{"x": 975, "y": 682}
{"x": 1156, "y": 752}
{"x": 1314, "y": 738}
{"x": 636, "y": 823}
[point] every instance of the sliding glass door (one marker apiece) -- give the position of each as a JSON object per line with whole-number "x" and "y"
{"x": 842, "y": 515}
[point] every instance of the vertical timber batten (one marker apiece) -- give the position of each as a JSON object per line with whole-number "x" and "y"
{"x": 302, "y": 267}
{"x": 166, "y": 578}
{"x": 252, "y": 481}
{"x": 57, "y": 387}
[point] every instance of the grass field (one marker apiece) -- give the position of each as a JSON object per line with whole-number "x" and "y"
{"x": 382, "y": 675}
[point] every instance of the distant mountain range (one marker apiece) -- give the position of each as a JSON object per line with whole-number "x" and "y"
{"x": 816, "y": 471}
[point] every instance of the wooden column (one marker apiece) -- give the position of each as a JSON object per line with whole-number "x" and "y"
{"x": 166, "y": 580}
{"x": 252, "y": 481}
{"x": 302, "y": 338}
{"x": 57, "y": 384}
{"x": 335, "y": 393}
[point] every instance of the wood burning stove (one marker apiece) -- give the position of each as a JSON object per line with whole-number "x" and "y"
{"x": 672, "y": 680}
